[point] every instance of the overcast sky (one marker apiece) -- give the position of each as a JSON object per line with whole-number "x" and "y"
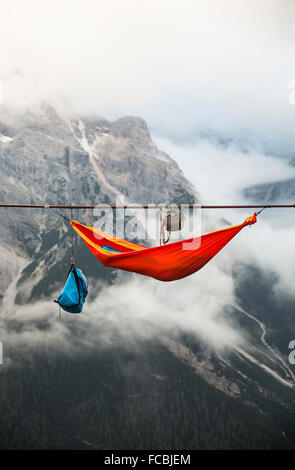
{"x": 181, "y": 65}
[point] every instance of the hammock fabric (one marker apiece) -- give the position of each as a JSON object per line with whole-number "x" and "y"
{"x": 165, "y": 262}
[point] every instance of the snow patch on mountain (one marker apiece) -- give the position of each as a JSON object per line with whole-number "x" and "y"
{"x": 5, "y": 139}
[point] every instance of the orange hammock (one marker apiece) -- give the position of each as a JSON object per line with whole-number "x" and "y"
{"x": 166, "y": 262}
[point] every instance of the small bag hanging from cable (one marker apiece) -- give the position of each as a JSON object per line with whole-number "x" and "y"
{"x": 75, "y": 289}
{"x": 172, "y": 221}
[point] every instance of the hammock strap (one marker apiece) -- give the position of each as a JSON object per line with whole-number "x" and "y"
{"x": 57, "y": 212}
{"x": 266, "y": 207}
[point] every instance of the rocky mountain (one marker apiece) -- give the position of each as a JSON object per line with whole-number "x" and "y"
{"x": 272, "y": 192}
{"x": 275, "y": 191}
{"x": 165, "y": 392}
{"x": 46, "y": 158}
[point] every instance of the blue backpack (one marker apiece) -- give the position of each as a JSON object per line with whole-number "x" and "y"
{"x": 74, "y": 292}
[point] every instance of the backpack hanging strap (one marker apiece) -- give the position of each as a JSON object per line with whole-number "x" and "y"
{"x": 73, "y": 253}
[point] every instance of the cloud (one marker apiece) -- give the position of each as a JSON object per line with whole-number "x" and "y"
{"x": 221, "y": 174}
{"x": 180, "y": 65}
{"x": 142, "y": 309}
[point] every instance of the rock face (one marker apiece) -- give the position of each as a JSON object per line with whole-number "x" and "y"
{"x": 49, "y": 158}
{"x": 272, "y": 192}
